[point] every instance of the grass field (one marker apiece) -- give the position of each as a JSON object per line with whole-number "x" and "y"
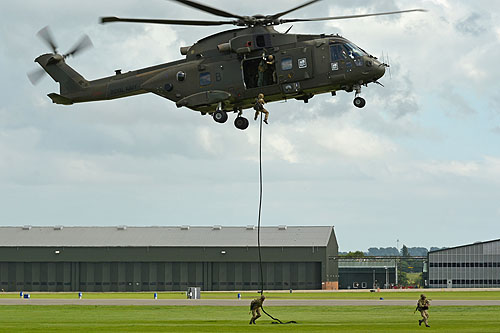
{"x": 235, "y": 319}
{"x": 391, "y": 295}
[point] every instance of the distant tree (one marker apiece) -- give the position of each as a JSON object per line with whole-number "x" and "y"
{"x": 404, "y": 251}
{"x": 355, "y": 254}
{"x": 402, "y": 278}
{"x": 380, "y": 252}
{"x": 418, "y": 251}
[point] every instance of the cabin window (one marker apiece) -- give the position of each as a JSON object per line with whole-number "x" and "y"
{"x": 205, "y": 79}
{"x": 348, "y": 66}
{"x": 337, "y": 52}
{"x": 358, "y": 62}
{"x": 181, "y": 76}
{"x": 286, "y": 64}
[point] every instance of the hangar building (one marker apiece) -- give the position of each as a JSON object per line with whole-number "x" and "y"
{"x": 166, "y": 258}
{"x": 469, "y": 266}
{"x": 367, "y": 273}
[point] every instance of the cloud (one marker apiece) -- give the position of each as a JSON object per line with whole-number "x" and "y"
{"x": 142, "y": 160}
{"x": 472, "y": 24}
{"x": 455, "y": 168}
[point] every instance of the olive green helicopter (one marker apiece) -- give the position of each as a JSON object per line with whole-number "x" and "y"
{"x": 225, "y": 72}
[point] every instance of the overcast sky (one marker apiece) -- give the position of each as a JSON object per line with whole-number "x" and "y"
{"x": 420, "y": 163}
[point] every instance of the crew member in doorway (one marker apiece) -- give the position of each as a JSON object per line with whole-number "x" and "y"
{"x": 255, "y": 308}
{"x": 259, "y": 107}
{"x": 261, "y": 72}
{"x": 423, "y": 305}
{"x": 270, "y": 64}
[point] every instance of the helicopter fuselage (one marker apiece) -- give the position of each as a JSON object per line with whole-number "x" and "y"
{"x": 227, "y": 71}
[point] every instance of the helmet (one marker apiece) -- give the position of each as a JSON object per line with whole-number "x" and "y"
{"x": 422, "y": 296}
{"x": 261, "y": 95}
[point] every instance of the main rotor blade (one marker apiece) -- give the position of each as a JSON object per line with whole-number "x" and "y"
{"x": 276, "y": 16}
{"x": 83, "y": 44}
{"x": 154, "y": 21}
{"x": 36, "y": 75}
{"x": 350, "y": 16}
{"x": 208, "y": 9}
{"x": 46, "y": 36}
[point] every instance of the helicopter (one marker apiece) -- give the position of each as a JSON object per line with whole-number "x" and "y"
{"x": 225, "y": 72}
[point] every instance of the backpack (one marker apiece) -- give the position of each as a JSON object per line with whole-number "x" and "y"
{"x": 257, "y": 106}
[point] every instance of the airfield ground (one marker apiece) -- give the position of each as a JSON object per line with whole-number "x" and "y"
{"x": 452, "y": 311}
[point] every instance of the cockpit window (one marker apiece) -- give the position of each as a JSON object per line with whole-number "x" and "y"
{"x": 353, "y": 51}
{"x": 345, "y": 51}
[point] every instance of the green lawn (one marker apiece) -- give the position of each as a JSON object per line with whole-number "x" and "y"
{"x": 441, "y": 295}
{"x": 27, "y": 318}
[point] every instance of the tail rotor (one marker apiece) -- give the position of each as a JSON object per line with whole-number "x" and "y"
{"x": 46, "y": 36}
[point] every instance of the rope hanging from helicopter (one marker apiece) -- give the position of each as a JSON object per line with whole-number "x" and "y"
{"x": 276, "y": 320}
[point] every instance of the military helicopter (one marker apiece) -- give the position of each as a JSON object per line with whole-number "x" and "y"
{"x": 226, "y": 71}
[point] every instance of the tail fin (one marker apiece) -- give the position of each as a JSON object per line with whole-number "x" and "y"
{"x": 70, "y": 81}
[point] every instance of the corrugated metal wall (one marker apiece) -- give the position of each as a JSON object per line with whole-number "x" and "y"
{"x": 472, "y": 266}
{"x": 156, "y": 276}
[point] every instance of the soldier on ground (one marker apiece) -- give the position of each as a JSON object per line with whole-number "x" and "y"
{"x": 259, "y": 107}
{"x": 255, "y": 307}
{"x": 423, "y": 305}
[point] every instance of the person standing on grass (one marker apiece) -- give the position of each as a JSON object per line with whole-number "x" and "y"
{"x": 423, "y": 305}
{"x": 255, "y": 308}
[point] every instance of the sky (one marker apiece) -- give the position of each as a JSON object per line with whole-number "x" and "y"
{"x": 419, "y": 165}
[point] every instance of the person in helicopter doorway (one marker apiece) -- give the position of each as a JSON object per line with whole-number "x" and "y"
{"x": 255, "y": 307}
{"x": 259, "y": 107}
{"x": 270, "y": 64}
{"x": 261, "y": 72}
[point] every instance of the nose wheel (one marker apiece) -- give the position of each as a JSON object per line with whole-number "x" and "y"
{"x": 220, "y": 116}
{"x": 359, "y": 102}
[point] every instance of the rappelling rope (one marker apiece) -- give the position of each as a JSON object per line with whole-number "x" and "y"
{"x": 276, "y": 320}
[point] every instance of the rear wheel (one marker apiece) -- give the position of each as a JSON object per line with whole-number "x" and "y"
{"x": 241, "y": 123}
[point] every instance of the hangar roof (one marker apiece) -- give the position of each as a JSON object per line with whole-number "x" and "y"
{"x": 185, "y": 236}
{"x": 487, "y": 247}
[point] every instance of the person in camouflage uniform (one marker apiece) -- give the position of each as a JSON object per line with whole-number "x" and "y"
{"x": 259, "y": 107}
{"x": 423, "y": 305}
{"x": 255, "y": 307}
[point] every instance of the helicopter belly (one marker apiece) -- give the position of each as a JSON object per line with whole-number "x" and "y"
{"x": 204, "y": 98}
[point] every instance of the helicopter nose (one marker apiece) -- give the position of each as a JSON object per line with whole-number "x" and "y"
{"x": 379, "y": 69}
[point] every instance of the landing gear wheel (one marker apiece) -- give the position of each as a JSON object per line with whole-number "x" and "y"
{"x": 359, "y": 102}
{"x": 241, "y": 123}
{"x": 220, "y": 116}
